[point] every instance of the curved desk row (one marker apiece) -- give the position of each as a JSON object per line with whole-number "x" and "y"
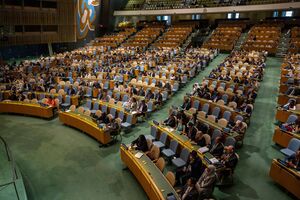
{"x": 184, "y": 142}
{"x": 32, "y": 95}
{"x": 283, "y": 99}
{"x": 283, "y": 115}
{"x": 149, "y": 176}
{"x": 286, "y": 177}
{"x": 223, "y": 108}
{"x": 213, "y": 125}
{"x": 18, "y": 107}
{"x": 85, "y": 124}
{"x": 283, "y": 138}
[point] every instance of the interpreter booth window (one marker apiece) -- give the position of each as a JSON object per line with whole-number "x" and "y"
{"x": 167, "y": 18}
{"x": 288, "y": 13}
{"x": 233, "y": 15}
{"x": 196, "y": 17}
{"x": 275, "y": 13}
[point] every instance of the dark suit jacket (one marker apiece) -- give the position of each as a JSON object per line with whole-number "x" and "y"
{"x": 158, "y": 97}
{"x": 144, "y": 108}
{"x": 171, "y": 121}
{"x": 192, "y": 195}
{"x": 217, "y": 149}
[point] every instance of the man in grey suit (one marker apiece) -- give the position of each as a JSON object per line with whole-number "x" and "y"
{"x": 206, "y": 182}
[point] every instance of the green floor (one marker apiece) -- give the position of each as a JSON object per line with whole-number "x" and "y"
{"x": 58, "y": 162}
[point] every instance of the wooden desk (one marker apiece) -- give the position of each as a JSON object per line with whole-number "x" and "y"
{"x": 228, "y": 83}
{"x": 118, "y": 109}
{"x": 283, "y": 138}
{"x": 85, "y": 124}
{"x": 284, "y": 87}
{"x": 74, "y": 98}
{"x": 283, "y": 115}
{"x": 213, "y": 125}
{"x": 286, "y": 177}
{"x": 223, "y": 108}
{"x": 149, "y": 176}
{"x": 19, "y": 107}
{"x": 283, "y": 99}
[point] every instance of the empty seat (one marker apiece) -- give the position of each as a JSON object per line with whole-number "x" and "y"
{"x": 162, "y": 141}
{"x": 292, "y": 148}
{"x": 170, "y": 152}
{"x": 182, "y": 160}
{"x": 205, "y": 108}
{"x": 227, "y": 115}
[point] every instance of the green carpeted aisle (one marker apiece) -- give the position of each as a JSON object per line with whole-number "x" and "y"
{"x": 58, "y": 162}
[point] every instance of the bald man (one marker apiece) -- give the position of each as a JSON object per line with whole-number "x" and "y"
{"x": 229, "y": 157}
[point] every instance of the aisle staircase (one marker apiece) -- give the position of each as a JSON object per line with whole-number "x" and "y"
{"x": 189, "y": 39}
{"x": 284, "y": 44}
{"x": 240, "y": 41}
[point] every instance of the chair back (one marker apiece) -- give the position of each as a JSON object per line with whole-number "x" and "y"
{"x": 292, "y": 119}
{"x": 196, "y": 104}
{"x": 96, "y": 106}
{"x": 205, "y": 108}
{"x": 294, "y": 144}
{"x": 109, "y": 93}
{"x": 68, "y": 99}
{"x": 88, "y": 104}
{"x": 155, "y": 152}
{"x": 121, "y": 115}
{"x": 104, "y": 108}
{"x": 153, "y": 131}
{"x": 125, "y": 98}
{"x": 163, "y": 138}
{"x": 129, "y": 119}
{"x": 216, "y": 112}
{"x": 150, "y": 106}
{"x": 112, "y": 112}
{"x": 239, "y": 117}
{"x": 171, "y": 178}
{"x": 160, "y": 164}
{"x": 174, "y": 145}
{"x": 216, "y": 133}
{"x": 225, "y": 98}
{"x": 184, "y": 155}
{"x": 227, "y": 115}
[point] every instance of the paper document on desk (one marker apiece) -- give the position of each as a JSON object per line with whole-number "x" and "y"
{"x": 170, "y": 129}
{"x": 68, "y": 110}
{"x": 139, "y": 155}
{"x": 203, "y": 149}
{"x": 214, "y": 160}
